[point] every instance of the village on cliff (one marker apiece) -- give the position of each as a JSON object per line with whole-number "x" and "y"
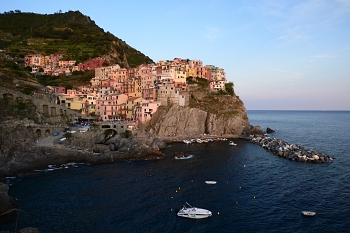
{"x": 118, "y": 93}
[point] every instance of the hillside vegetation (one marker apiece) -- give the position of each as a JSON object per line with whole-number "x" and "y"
{"x": 13, "y": 75}
{"x": 71, "y": 34}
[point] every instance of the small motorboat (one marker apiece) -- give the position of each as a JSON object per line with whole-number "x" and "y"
{"x": 193, "y": 212}
{"x": 210, "y": 182}
{"x": 187, "y": 141}
{"x": 231, "y": 143}
{"x": 308, "y": 213}
{"x": 198, "y": 140}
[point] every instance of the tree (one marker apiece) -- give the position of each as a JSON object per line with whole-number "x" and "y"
{"x": 229, "y": 88}
{"x": 66, "y": 34}
{"x": 68, "y": 86}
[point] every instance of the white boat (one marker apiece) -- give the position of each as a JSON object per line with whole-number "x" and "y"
{"x": 62, "y": 140}
{"x": 198, "y": 140}
{"x": 231, "y": 143}
{"x": 308, "y": 213}
{"x": 193, "y": 212}
{"x": 187, "y": 141}
{"x": 210, "y": 182}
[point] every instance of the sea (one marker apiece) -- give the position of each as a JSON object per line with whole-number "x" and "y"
{"x": 256, "y": 191}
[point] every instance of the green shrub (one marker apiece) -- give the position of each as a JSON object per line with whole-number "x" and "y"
{"x": 229, "y": 88}
{"x": 126, "y": 134}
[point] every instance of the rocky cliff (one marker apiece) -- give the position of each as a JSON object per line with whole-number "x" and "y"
{"x": 184, "y": 122}
{"x": 207, "y": 113}
{"x": 19, "y": 152}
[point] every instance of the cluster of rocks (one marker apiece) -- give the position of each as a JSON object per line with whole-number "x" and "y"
{"x": 290, "y": 151}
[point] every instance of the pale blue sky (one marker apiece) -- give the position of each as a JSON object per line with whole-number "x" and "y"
{"x": 282, "y": 54}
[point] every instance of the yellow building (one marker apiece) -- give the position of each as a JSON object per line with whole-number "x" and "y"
{"x": 77, "y": 103}
{"x": 192, "y": 72}
{"x": 131, "y": 105}
{"x": 134, "y": 87}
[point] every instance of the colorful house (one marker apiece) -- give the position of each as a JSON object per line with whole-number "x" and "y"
{"x": 131, "y": 105}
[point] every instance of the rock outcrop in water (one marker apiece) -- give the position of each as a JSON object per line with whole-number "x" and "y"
{"x": 290, "y": 151}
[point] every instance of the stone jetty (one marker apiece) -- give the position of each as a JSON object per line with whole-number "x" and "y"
{"x": 290, "y": 151}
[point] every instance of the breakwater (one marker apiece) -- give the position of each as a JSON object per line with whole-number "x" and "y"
{"x": 290, "y": 151}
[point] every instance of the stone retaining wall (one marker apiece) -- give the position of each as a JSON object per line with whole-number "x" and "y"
{"x": 43, "y": 104}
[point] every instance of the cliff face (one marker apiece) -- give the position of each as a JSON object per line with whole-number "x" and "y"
{"x": 186, "y": 122}
{"x": 19, "y": 152}
{"x": 206, "y": 114}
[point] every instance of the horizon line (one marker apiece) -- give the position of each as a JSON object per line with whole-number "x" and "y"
{"x": 323, "y": 110}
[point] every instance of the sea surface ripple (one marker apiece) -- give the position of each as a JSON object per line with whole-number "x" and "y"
{"x": 256, "y": 191}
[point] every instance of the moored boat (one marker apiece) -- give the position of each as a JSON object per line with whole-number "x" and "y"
{"x": 210, "y": 182}
{"x": 308, "y": 213}
{"x": 198, "y": 140}
{"x": 193, "y": 212}
{"x": 231, "y": 143}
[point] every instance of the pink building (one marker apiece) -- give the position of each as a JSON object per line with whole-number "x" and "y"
{"x": 146, "y": 110}
{"x": 109, "y": 107}
{"x": 92, "y": 64}
{"x": 60, "y": 90}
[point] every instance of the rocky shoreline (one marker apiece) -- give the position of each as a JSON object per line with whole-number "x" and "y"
{"x": 289, "y": 151}
{"x": 97, "y": 148}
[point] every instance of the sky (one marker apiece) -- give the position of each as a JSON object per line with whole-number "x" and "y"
{"x": 280, "y": 54}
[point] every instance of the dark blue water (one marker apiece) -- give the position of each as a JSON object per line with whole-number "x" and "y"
{"x": 256, "y": 191}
